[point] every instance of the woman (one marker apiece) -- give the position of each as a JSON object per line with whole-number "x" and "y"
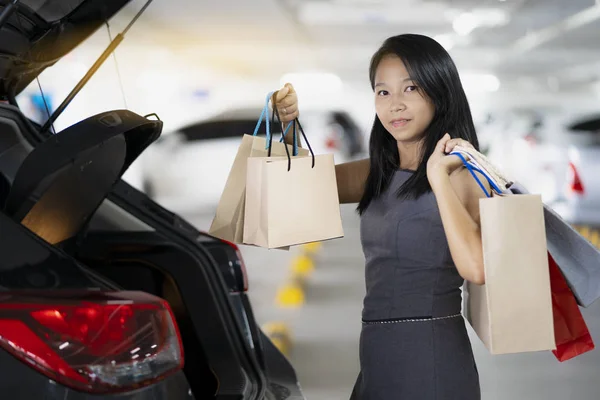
{"x": 420, "y": 227}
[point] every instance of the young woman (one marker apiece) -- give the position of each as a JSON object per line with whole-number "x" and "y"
{"x": 420, "y": 227}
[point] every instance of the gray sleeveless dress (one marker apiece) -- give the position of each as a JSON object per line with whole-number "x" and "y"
{"x": 414, "y": 343}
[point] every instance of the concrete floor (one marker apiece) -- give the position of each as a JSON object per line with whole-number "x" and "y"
{"x": 326, "y": 330}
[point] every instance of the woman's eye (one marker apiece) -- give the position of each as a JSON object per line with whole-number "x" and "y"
{"x": 382, "y": 93}
{"x": 411, "y": 88}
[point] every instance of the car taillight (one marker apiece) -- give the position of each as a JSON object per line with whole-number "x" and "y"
{"x": 530, "y": 139}
{"x": 575, "y": 183}
{"x": 242, "y": 264}
{"x": 93, "y": 341}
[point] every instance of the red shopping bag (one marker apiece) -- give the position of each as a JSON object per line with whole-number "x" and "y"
{"x": 570, "y": 330}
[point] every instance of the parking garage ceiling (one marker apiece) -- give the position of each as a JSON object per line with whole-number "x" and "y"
{"x": 547, "y": 42}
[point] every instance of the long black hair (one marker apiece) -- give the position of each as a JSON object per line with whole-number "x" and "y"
{"x": 435, "y": 74}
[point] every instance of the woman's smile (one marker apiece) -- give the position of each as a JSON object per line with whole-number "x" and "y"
{"x": 400, "y": 122}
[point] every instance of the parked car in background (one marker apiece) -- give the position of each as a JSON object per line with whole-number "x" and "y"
{"x": 581, "y": 204}
{"x": 554, "y": 154}
{"x": 186, "y": 170}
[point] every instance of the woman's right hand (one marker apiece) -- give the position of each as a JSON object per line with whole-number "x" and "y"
{"x": 286, "y": 101}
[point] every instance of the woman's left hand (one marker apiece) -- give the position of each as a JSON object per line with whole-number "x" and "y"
{"x": 440, "y": 164}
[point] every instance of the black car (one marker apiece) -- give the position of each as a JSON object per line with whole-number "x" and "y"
{"x": 105, "y": 294}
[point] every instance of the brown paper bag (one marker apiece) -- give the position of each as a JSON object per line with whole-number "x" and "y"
{"x": 286, "y": 208}
{"x": 228, "y": 222}
{"x": 512, "y": 312}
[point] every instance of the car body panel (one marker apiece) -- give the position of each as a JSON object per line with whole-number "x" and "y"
{"x": 184, "y": 235}
{"x": 29, "y": 263}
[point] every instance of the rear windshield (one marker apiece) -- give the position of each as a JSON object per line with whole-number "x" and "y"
{"x": 590, "y": 125}
{"x": 52, "y": 10}
{"x": 225, "y": 129}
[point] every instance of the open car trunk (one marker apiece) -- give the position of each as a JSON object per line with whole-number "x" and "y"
{"x": 140, "y": 245}
{"x": 155, "y": 250}
{"x": 64, "y": 193}
{"x": 159, "y": 257}
{"x": 115, "y": 233}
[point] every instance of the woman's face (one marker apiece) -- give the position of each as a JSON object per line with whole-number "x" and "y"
{"x": 403, "y": 109}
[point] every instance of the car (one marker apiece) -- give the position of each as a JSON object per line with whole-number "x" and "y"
{"x": 105, "y": 294}
{"x": 186, "y": 170}
{"x": 580, "y": 203}
{"x": 519, "y": 144}
{"x": 554, "y": 154}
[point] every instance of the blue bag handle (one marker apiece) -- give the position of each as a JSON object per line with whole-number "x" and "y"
{"x": 264, "y": 115}
{"x": 295, "y": 138}
{"x": 290, "y": 124}
{"x": 472, "y": 170}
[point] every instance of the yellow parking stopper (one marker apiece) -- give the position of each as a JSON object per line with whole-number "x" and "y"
{"x": 312, "y": 248}
{"x": 291, "y": 295}
{"x": 303, "y": 266}
{"x": 280, "y": 335}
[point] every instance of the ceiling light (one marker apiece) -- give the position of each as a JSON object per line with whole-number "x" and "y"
{"x": 465, "y": 23}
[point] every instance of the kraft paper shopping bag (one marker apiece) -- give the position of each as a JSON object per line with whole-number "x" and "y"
{"x": 291, "y": 203}
{"x": 577, "y": 258}
{"x": 512, "y": 311}
{"x": 228, "y": 222}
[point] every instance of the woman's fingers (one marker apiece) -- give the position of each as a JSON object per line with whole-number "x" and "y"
{"x": 286, "y": 101}
{"x": 285, "y": 110}
{"x": 451, "y": 144}
{"x": 290, "y": 101}
{"x": 288, "y": 117}
{"x": 287, "y": 114}
{"x": 442, "y": 143}
{"x": 281, "y": 94}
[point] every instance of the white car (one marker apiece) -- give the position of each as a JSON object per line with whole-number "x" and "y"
{"x": 581, "y": 204}
{"x": 555, "y": 155}
{"x": 186, "y": 170}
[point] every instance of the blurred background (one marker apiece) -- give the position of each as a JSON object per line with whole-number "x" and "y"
{"x": 531, "y": 69}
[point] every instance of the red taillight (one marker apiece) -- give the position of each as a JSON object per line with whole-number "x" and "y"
{"x": 575, "y": 183}
{"x": 238, "y": 254}
{"x": 530, "y": 139}
{"x": 97, "y": 342}
{"x": 331, "y": 144}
